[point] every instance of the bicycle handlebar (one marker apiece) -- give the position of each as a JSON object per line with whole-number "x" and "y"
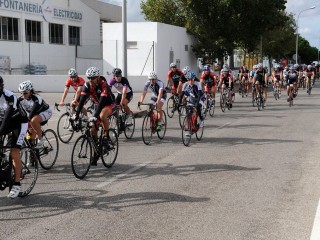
{"x": 56, "y": 106}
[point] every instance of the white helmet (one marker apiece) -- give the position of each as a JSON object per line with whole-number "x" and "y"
{"x": 25, "y": 86}
{"x": 72, "y": 72}
{"x": 152, "y": 75}
{"x": 186, "y": 69}
{"x": 92, "y": 72}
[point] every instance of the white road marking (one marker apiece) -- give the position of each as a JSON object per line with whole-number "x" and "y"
{"x": 315, "y": 234}
{"x": 141, "y": 165}
{"x": 227, "y": 124}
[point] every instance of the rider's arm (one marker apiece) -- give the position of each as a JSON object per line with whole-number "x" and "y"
{"x": 84, "y": 94}
{"x": 168, "y": 78}
{"x": 35, "y": 107}
{"x": 66, "y": 90}
{"x": 6, "y": 118}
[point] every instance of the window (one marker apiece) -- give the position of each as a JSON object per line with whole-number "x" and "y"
{"x": 55, "y": 33}
{"x": 186, "y": 48}
{"x": 132, "y": 45}
{"x": 9, "y": 29}
{"x": 74, "y": 35}
{"x": 33, "y": 31}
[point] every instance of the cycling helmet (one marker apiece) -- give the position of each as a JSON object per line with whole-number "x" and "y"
{"x": 152, "y": 75}
{"x": 173, "y": 65}
{"x": 254, "y": 67}
{"x": 72, "y": 73}
{"x": 25, "y": 86}
{"x": 292, "y": 67}
{"x": 92, "y": 72}
{"x": 309, "y": 67}
{"x": 190, "y": 75}
{"x": 186, "y": 69}
{"x": 117, "y": 71}
{"x": 225, "y": 66}
{"x": 296, "y": 65}
{"x": 225, "y": 69}
{"x": 244, "y": 67}
{"x": 206, "y": 68}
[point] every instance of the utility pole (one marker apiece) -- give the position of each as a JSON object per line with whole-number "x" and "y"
{"x": 124, "y": 36}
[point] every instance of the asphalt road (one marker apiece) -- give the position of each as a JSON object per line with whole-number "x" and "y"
{"x": 254, "y": 175}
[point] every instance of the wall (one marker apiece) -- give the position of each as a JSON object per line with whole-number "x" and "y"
{"x": 58, "y": 58}
{"x": 56, "y": 83}
{"x": 145, "y": 33}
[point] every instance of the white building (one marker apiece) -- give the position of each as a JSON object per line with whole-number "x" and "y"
{"x": 151, "y": 46}
{"x": 57, "y": 34}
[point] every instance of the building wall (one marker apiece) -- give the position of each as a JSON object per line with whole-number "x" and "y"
{"x": 146, "y": 34}
{"x": 58, "y": 58}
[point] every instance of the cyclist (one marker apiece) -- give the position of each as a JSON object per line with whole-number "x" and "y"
{"x": 309, "y": 74}
{"x": 251, "y": 75}
{"x": 158, "y": 97}
{"x": 185, "y": 70}
{"x": 260, "y": 79}
{"x": 292, "y": 78}
{"x": 277, "y": 77}
{"x": 226, "y": 82}
{"x": 175, "y": 75}
{"x": 193, "y": 90}
{"x": 244, "y": 77}
{"x": 74, "y": 81}
{"x": 39, "y": 112}
{"x": 100, "y": 92}
{"x": 13, "y": 120}
{"x": 124, "y": 90}
{"x": 209, "y": 80}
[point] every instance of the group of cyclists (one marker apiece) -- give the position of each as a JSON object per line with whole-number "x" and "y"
{"x": 27, "y": 112}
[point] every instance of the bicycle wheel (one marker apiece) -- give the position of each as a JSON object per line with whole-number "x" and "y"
{"x": 64, "y": 133}
{"x": 182, "y": 115}
{"x": 205, "y": 107}
{"x": 170, "y": 107}
{"x": 186, "y": 131}
{"x": 49, "y": 153}
{"x": 81, "y": 157}
{"x": 163, "y": 123}
{"x": 114, "y": 124}
{"x": 259, "y": 103}
{"x": 222, "y": 103}
{"x": 129, "y": 127}
{"x": 147, "y": 130}
{"x": 29, "y": 172}
{"x": 109, "y": 151}
{"x": 253, "y": 98}
{"x": 211, "y": 107}
{"x": 199, "y": 133}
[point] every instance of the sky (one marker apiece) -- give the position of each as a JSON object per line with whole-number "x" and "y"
{"x": 309, "y": 21}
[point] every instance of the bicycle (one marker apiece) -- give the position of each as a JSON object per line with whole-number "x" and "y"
{"x": 48, "y": 154}
{"x": 308, "y": 85}
{"x": 244, "y": 88}
{"x": 172, "y": 105}
{"x": 150, "y": 122}
{"x": 120, "y": 123}
{"x": 64, "y": 128}
{"x": 191, "y": 126}
{"x": 29, "y": 172}
{"x": 276, "y": 91}
{"x": 224, "y": 102}
{"x": 254, "y": 95}
{"x": 86, "y": 146}
{"x": 208, "y": 105}
{"x": 291, "y": 95}
{"x": 260, "y": 98}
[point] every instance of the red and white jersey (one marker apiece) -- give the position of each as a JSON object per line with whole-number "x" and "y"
{"x": 75, "y": 84}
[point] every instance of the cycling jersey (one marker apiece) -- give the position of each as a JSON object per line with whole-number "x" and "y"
{"x": 155, "y": 88}
{"x": 35, "y": 105}
{"x": 193, "y": 91}
{"x": 277, "y": 75}
{"x": 292, "y": 77}
{"x": 175, "y": 76}
{"x": 245, "y": 73}
{"x": 308, "y": 73}
{"x": 13, "y": 118}
{"x": 100, "y": 94}
{"x": 120, "y": 85}
{"x": 209, "y": 79}
{"x": 252, "y": 72}
{"x": 75, "y": 84}
{"x": 260, "y": 74}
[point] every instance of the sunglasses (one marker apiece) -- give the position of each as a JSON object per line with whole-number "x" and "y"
{"x": 152, "y": 79}
{"x": 25, "y": 93}
{"x": 92, "y": 78}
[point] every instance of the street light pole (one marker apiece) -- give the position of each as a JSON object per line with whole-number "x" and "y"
{"x": 124, "y": 36}
{"x": 310, "y": 8}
